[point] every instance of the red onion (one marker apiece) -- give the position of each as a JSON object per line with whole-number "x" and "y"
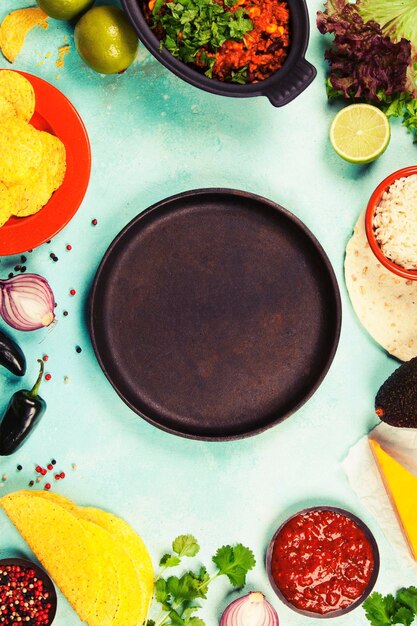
{"x": 250, "y": 610}
{"x": 27, "y": 302}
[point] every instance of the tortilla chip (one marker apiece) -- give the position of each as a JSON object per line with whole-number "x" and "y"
{"x": 17, "y": 90}
{"x": 61, "y": 543}
{"x": 6, "y": 109}
{"x": 15, "y": 27}
{"x": 5, "y": 205}
{"x": 29, "y": 196}
{"x": 384, "y": 303}
{"x": 20, "y": 150}
{"x": 134, "y": 605}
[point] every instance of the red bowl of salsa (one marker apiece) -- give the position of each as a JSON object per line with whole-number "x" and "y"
{"x": 323, "y": 562}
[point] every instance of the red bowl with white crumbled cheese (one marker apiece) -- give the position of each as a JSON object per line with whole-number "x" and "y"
{"x": 374, "y": 225}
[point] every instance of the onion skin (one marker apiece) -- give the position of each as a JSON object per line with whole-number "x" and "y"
{"x": 250, "y": 610}
{"x": 27, "y": 302}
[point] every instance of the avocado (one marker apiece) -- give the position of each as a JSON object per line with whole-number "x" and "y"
{"x": 396, "y": 400}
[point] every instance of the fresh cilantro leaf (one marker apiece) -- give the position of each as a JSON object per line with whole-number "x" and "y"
{"x": 240, "y": 76}
{"x": 403, "y": 616}
{"x": 408, "y": 598}
{"x": 161, "y": 593}
{"x": 185, "y": 545}
{"x": 169, "y": 560}
{"x": 379, "y": 610}
{"x": 234, "y": 562}
{"x": 194, "y": 621}
{"x": 188, "y": 612}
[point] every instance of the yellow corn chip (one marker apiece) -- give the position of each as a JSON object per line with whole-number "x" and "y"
{"x": 61, "y": 544}
{"x": 133, "y": 606}
{"x": 5, "y": 205}
{"x": 29, "y": 196}
{"x": 15, "y": 27}
{"x": 19, "y": 92}
{"x": 20, "y": 150}
{"x": 6, "y": 109}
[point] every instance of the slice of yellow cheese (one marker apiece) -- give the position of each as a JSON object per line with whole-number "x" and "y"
{"x": 401, "y": 486}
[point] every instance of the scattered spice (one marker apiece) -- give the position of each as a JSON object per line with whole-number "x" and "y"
{"x": 94, "y": 222}
{"x": 43, "y": 472}
{"x": 4, "y": 477}
{"x": 66, "y": 379}
{"x": 11, "y": 275}
{"x": 78, "y": 349}
{"x": 50, "y": 466}
{"x": 38, "y": 469}
{"x": 23, "y": 258}
{"x": 19, "y": 468}
{"x": 23, "y": 269}
{"x": 62, "y": 475}
{"x": 48, "y": 376}
{"x": 65, "y": 313}
{"x": 53, "y": 257}
{"x": 62, "y": 52}
{"x": 17, "y": 268}
{"x": 53, "y": 462}
{"x": 47, "y": 486}
{"x": 74, "y": 466}
{"x": 32, "y": 482}
{"x": 38, "y": 480}
{"x": 72, "y": 292}
{"x": 68, "y": 246}
{"x": 45, "y": 357}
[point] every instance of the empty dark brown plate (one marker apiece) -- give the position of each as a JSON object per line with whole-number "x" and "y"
{"x": 215, "y": 314}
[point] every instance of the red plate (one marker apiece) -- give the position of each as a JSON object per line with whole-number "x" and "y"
{"x": 55, "y": 114}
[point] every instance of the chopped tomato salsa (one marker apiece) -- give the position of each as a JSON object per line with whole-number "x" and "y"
{"x": 243, "y": 41}
{"x": 322, "y": 561}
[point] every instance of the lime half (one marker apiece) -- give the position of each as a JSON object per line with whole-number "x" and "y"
{"x": 360, "y": 133}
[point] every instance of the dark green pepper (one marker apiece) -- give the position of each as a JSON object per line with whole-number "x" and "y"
{"x": 23, "y": 413}
{"x": 11, "y": 356}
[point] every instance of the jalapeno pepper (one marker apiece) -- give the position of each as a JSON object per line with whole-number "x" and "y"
{"x": 22, "y": 414}
{"x": 11, "y": 356}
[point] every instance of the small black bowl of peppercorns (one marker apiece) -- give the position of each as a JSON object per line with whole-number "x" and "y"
{"x": 27, "y": 594}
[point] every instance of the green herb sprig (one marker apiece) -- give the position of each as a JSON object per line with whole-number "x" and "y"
{"x": 180, "y": 596}
{"x": 191, "y": 25}
{"x": 386, "y": 610}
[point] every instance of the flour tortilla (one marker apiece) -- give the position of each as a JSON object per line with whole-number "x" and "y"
{"x": 385, "y": 304}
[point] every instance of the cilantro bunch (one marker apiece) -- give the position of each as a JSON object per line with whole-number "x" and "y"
{"x": 386, "y": 610}
{"x": 180, "y": 596}
{"x": 195, "y": 29}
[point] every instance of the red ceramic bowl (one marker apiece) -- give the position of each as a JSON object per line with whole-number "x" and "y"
{"x": 369, "y": 217}
{"x": 374, "y": 575}
{"x": 55, "y": 114}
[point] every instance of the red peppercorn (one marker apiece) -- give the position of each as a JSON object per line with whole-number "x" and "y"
{"x": 48, "y": 376}
{"x": 57, "y": 476}
{"x": 72, "y": 292}
{"x": 94, "y": 222}
{"x": 47, "y": 485}
{"x": 62, "y": 475}
{"x": 69, "y": 246}
{"x": 45, "y": 357}
{"x": 50, "y": 466}
{"x": 38, "y": 469}
{"x": 43, "y": 472}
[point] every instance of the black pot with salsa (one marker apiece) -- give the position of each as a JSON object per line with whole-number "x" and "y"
{"x": 323, "y": 562}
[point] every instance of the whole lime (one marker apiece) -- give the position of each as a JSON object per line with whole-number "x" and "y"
{"x": 105, "y": 40}
{"x": 64, "y": 9}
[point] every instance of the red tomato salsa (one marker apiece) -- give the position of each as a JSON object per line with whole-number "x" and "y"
{"x": 243, "y": 41}
{"x": 322, "y": 561}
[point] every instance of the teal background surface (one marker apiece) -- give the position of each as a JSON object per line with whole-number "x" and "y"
{"x": 153, "y": 135}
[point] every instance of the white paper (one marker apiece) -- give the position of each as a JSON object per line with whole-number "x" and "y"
{"x": 364, "y": 477}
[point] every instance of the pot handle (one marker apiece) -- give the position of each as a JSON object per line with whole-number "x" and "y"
{"x": 301, "y": 75}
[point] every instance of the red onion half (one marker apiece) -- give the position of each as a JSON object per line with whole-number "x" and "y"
{"x": 250, "y": 610}
{"x": 27, "y": 302}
